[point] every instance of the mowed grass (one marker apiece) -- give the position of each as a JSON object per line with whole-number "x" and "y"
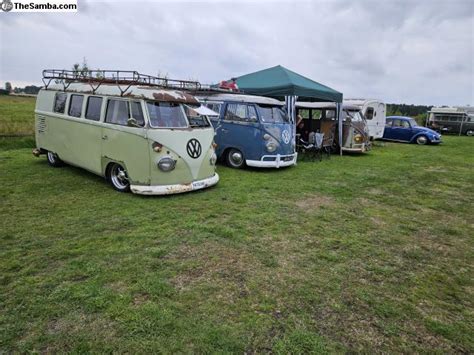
{"x": 361, "y": 253}
{"x": 16, "y": 115}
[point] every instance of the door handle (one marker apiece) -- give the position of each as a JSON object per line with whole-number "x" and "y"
{"x": 104, "y": 137}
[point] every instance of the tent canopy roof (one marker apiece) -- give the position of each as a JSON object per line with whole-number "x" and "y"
{"x": 279, "y": 82}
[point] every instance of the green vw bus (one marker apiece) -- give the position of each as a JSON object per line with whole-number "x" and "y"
{"x": 141, "y": 132}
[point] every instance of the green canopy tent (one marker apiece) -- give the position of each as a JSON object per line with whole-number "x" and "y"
{"x": 281, "y": 83}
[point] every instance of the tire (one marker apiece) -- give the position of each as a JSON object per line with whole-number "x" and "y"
{"x": 470, "y": 132}
{"x": 235, "y": 159}
{"x": 118, "y": 178}
{"x": 53, "y": 160}
{"x": 421, "y": 140}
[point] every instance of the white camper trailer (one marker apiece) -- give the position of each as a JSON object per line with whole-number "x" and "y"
{"x": 374, "y": 112}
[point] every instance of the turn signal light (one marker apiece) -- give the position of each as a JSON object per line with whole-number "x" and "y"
{"x": 157, "y": 147}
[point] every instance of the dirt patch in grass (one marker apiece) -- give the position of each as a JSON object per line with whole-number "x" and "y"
{"x": 213, "y": 264}
{"x": 140, "y": 298}
{"x": 315, "y": 201}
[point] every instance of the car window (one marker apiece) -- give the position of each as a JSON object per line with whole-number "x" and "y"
{"x": 397, "y": 123}
{"x": 369, "y": 114}
{"x": 240, "y": 113}
{"x": 75, "y": 105}
{"x": 388, "y": 122}
{"x": 405, "y": 124}
{"x": 137, "y": 112}
{"x": 60, "y": 102}
{"x": 166, "y": 114}
{"x": 94, "y": 105}
{"x": 117, "y": 112}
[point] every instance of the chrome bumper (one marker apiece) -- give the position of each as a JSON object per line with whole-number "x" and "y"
{"x": 174, "y": 189}
{"x": 279, "y": 162}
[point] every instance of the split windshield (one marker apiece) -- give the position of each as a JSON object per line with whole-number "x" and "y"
{"x": 354, "y": 116}
{"x": 196, "y": 119}
{"x": 166, "y": 115}
{"x": 272, "y": 114}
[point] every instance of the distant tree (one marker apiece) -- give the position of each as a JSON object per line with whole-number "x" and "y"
{"x": 8, "y": 86}
{"x": 81, "y": 69}
{"x": 32, "y": 89}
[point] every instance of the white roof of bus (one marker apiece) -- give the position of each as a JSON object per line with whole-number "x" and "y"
{"x": 135, "y": 91}
{"x": 240, "y": 98}
{"x": 361, "y": 102}
{"x": 456, "y": 109}
{"x": 323, "y": 105}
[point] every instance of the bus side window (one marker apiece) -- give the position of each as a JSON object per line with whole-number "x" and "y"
{"x": 236, "y": 112}
{"x": 252, "y": 113}
{"x": 369, "y": 114}
{"x": 60, "y": 102}
{"x": 137, "y": 112}
{"x": 94, "y": 105}
{"x": 117, "y": 112}
{"x": 75, "y": 105}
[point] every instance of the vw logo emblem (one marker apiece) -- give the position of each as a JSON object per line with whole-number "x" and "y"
{"x": 194, "y": 148}
{"x": 285, "y": 135}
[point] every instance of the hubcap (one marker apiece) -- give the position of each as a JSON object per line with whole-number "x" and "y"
{"x": 470, "y": 133}
{"x": 422, "y": 140}
{"x": 51, "y": 157}
{"x": 236, "y": 158}
{"x": 119, "y": 177}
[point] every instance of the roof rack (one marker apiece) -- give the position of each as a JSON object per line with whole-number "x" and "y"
{"x": 214, "y": 88}
{"x": 124, "y": 79}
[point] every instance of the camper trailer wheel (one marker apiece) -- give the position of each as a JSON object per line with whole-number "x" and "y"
{"x": 421, "y": 140}
{"x": 469, "y": 132}
{"x": 235, "y": 158}
{"x": 53, "y": 160}
{"x": 118, "y": 178}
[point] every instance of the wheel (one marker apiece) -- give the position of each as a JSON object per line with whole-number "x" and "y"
{"x": 470, "y": 132}
{"x": 421, "y": 140}
{"x": 53, "y": 159}
{"x": 118, "y": 177}
{"x": 235, "y": 159}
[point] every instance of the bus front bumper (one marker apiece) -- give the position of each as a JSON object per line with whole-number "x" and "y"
{"x": 174, "y": 189}
{"x": 273, "y": 161}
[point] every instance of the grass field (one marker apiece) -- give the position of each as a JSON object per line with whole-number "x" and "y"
{"x": 16, "y": 115}
{"x": 365, "y": 253}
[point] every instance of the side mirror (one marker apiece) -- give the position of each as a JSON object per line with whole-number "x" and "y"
{"x": 132, "y": 122}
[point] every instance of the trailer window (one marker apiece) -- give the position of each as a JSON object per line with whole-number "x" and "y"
{"x": 137, "y": 112}
{"x": 166, "y": 115}
{"x": 369, "y": 114}
{"x": 75, "y": 105}
{"x": 94, "y": 105}
{"x": 60, "y": 102}
{"x": 117, "y": 112}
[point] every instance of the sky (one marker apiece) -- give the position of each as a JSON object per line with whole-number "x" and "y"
{"x": 406, "y": 51}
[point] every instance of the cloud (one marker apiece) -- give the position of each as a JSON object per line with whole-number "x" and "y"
{"x": 400, "y": 51}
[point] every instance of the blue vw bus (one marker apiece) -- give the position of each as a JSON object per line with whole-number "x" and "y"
{"x": 251, "y": 130}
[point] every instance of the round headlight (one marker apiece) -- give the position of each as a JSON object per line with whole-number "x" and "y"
{"x": 166, "y": 164}
{"x": 213, "y": 159}
{"x": 271, "y": 147}
{"x": 358, "y": 138}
